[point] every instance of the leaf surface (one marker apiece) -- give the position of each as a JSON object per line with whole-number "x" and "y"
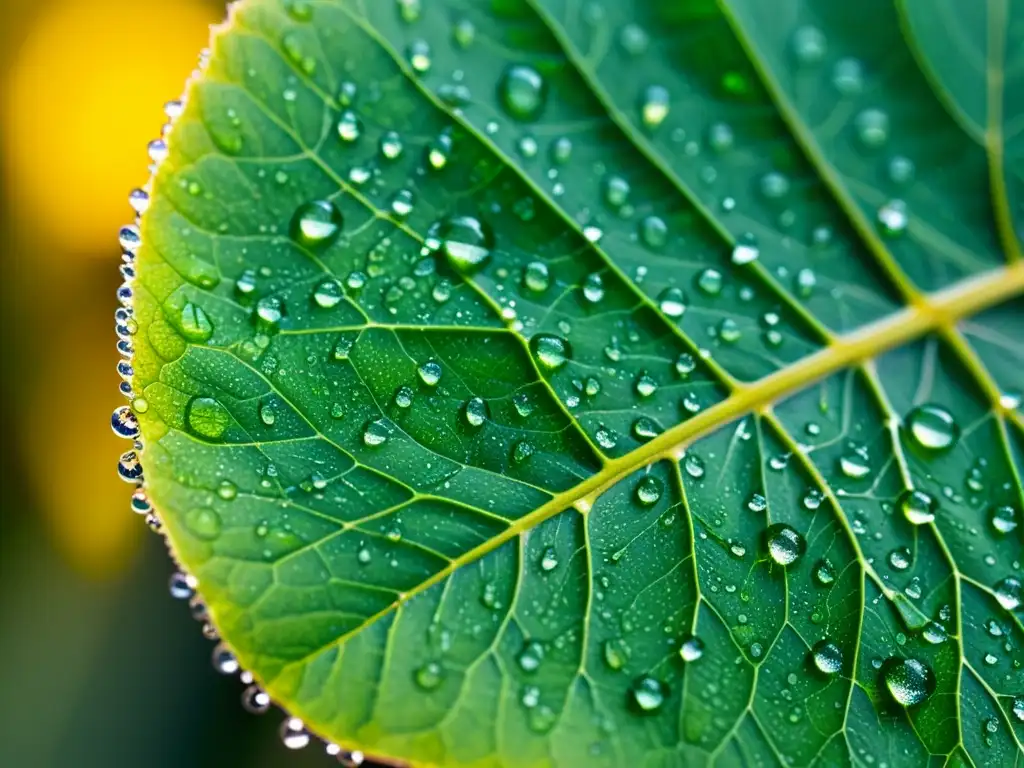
{"x": 556, "y": 383}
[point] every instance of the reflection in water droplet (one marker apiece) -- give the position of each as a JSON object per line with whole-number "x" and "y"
{"x": 551, "y": 351}
{"x": 430, "y": 373}
{"x": 124, "y": 423}
{"x": 1003, "y": 520}
{"x": 316, "y": 224}
{"x": 648, "y": 490}
{"x": 648, "y": 694}
{"x": 530, "y": 656}
{"x": 785, "y": 545}
{"x": 475, "y": 411}
{"x": 1009, "y": 592}
{"x": 207, "y": 418}
{"x": 872, "y": 126}
{"x": 827, "y": 656}
{"x": 691, "y": 649}
{"x": 203, "y": 523}
{"x": 466, "y": 241}
{"x": 824, "y": 572}
{"x": 918, "y": 507}
{"x": 932, "y": 427}
{"x": 672, "y": 302}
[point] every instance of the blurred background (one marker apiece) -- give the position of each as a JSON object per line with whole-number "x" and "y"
{"x": 99, "y": 666}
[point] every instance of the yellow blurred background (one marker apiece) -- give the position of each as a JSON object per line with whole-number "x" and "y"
{"x": 101, "y": 668}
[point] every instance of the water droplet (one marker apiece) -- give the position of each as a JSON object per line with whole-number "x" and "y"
{"x": 203, "y": 523}
{"x": 430, "y": 373}
{"x": 207, "y": 418}
{"x": 648, "y": 694}
{"x": 649, "y": 490}
{"x": 785, "y": 545}
{"x": 616, "y": 191}
{"x": 522, "y": 451}
{"x": 391, "y": 145}
{"x": 824, "y": 572}
{"x": 872, "y": 126}
{"x": 645, "y": 385}
{"x": 827, "y": 656}
{"x": 710, "y": 282}
{"x": 522, "y": 92}
{"x": 685, "y": 365}
{"x": 932, "y": 427}
{"x": 536, "y": 276}
{"x": 1018, "y": 708}
{"x": 809, "y": 45}
{"x": 552, "y": 352}
{"x": 854, "y": 463}
{"x": 691, "y": 649}
{"x": 615, "y": 654}
{"x": 1009, "y": 593}
{"x": 893, "y": 218}
{"x": 466, "y": 241}
{"x": 376, "y": 433}
{"x": 316, "y": 224}
{"x": 124, "y": 423}
{"x": 645, "y": 429}
{"x": 757, "y": 502}
{"x": 593, "y": 288}
{"x": 1003, "y": 519}
{"x": 429, "y": 676}
{"x": 531, "y": 655}
{"x": 720, "y": 137}
{"x": 255, "y": 700}
{"x": 694, "y": 466}
{"x": 774, "y": 185}
{"x": 181, "y": 586}
{"x": 350, "y": 127}
{"x": 918, "y": 507}
{"x": 745, "y": 251}
{"x": 633, "y": 39}
{"x": 934, "y": 633}
{"x": 729, "y": 331}
{"x": 900, "y": 558}
{"x": 909, "y": 681}
{"x": 672, "y": 302}
{"x": 654, "y": 106}
{"x": 294, "y": 734}
{"x": 404, "y": 397}
{"x": 419, "y": 56}
{"x": 224, "y": 660}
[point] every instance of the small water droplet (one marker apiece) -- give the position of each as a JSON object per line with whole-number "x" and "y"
{"x": 419, "y": 56}
{"x": 376, "y": 433}
{"x": 224, "y": 660}
{"x": 530, "y": 656}
{"x": 466, "y": 241}
{"x": 430, "y": 373}
{"x": 824, "y": 572}
{"x": 1003, "y": 519}
{"x": 551, "y": 351}
{"x": 745, "y": 251}
{"x": 672, "y": 302}
{"x": 207, "y": 418}
{"x": 694, "y": 466}
{"x": 429, "y": 676}
{"x": 654, "y": 106}
{"x": 872, "y": 127}
{"x": 124, "y": 423}
{"x": 1009, "y": 593}
{"x": 522, "y": 451}
{"x": 809, "y": 45}
{"x": 536, "y": 277}
{"x": 649, "y": 490}
{"x": 900, "y": 558}
{"x": 893, "y": 218}
{"x": 691, "y": 649}
{"x": 294, "y": 734}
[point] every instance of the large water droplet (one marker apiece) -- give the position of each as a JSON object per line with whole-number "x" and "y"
{"x": 124, "y": 423}
{"x": 522, "y": 92}
{"x": 691, "y": 649}
{"x": 376, "y": 433}
{"x": 1009, "y": 593}
{"x": 316, "y": 224}
{"x": 475, "y": 411}
{"x": 649, "y": 490}
{"x": 1003, "y": 519}
{"x": 466, "y": 241}
{"x": 932, "y": 427}
{"x": 672, "y": 302}
{"x": 207, "y": 418}
{"x": 648, "y": 694}
{"x": 203, "y": 523}
{"x": 909, "y": 681}
{"x": 430, "y": 373}
{"x": 785, "y": 545}
{"x": 827, "y": 657}
{"x": 551, "y": 351}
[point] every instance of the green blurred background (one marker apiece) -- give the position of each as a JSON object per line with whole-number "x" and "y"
{"x": 98, "y": 666}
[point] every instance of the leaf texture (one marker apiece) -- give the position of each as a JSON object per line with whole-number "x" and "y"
{"x": 547, "y": 383}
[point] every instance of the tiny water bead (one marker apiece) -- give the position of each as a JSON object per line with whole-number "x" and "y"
{"x": 824, "y": 573}
{"x": 932, "y": 427}
{"x": 522, "y": 92}
{"x": 691, "y": 649}
{"x": 316, "y": 224}
{"x": 124, "y": 423}
{"x": 672, "y": 302}
{"x": 420, "y": 56}
{"x": 224, "y": 660}
{"x": 350, "y": 127}
{"x": 745, "y": 251}
{"x": 785, "y": 545}
{"x": 531, "y": 656}
{"x": 647, "y": 694}
{"x": 616, "y": 191}
{"x": 645, "y": 385}
{"x": 908, "y": 681}
{"x": 391, "y": 145}
{"x": 536, "y": 277}
{"x": 551, "y": 351}
{"x": 593, "y": 288}
{"x": 522, "y": 451}
{"x": 893, "y": 218}
{"x": 872, "y": 127}
{"x": 466, "y": 241}
{"x": 649, "y": 490}
{"x": 827, "y": 657}
{"x": 255, "y": 700}
{"x": 918, "y": 507}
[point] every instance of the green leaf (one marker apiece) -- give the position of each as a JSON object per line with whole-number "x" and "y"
{"x": 552, "y": 383}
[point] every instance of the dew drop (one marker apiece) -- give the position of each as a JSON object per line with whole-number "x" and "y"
{"x": 649, "y": 490}
{"x": 294, "y": 734}
{"x": 429, "y": 676}
{"x": 1003, "y": 520}
{"x": 654, "y": 106}
{"x": 316, "y": 224}
{"x": 203, "y": 523}
{"x": 1009, "y": 593}
{"x": 531, "y": 655}
{"x": 328, "y": 294}
{"x": 648, "y": 694}
{"x": 932, "y": 427}
{"x": 350, "y": 127}
{"x": 181, "y": 586}
{"x": 872, "y": 127}
{"x": 615, "y": 654}
{"x": 672, "y": 302}
{"x": 824, "y": 572}
{"x": 419, "y": 56}
{"x": 207, "y": 418}
{"x": 475, "y": 412}
{"x": 691, "y": 649}
{"x": 124, "y": 423}
{"x": 224, "y": 660}
{"x": 710, "y": 282}
{"x": 391, "y": 145}
{"x": 918, "y": 507}
{"x": 848, "y": 77}
{"x": 522, "y": 92}
{"x": 893, "y": 218}
{"x": 376, "y": 433}
{"x": 785, "y": 545}
{"x": 536, "y": 277}
{"x": 522, "y": 451}
{"x": 645, "y": 385}
{"x": 593, "y": 288}
{"x": 909, "y": 681}
{"x": 745, "y": 251}
{"x": 404, "y": 397}
{"x": 430, "y": 373}
{"x": 466, "y": 241}
{"x": 809, "y": 45}
{"x": 551, "y": 351}
{"x": 900, "y": 558}
{"x": 645, "y": 429}
{"x": 827, "y": 656}
{"x": 694, "y": 466}
{"x": 255, "y": 700}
